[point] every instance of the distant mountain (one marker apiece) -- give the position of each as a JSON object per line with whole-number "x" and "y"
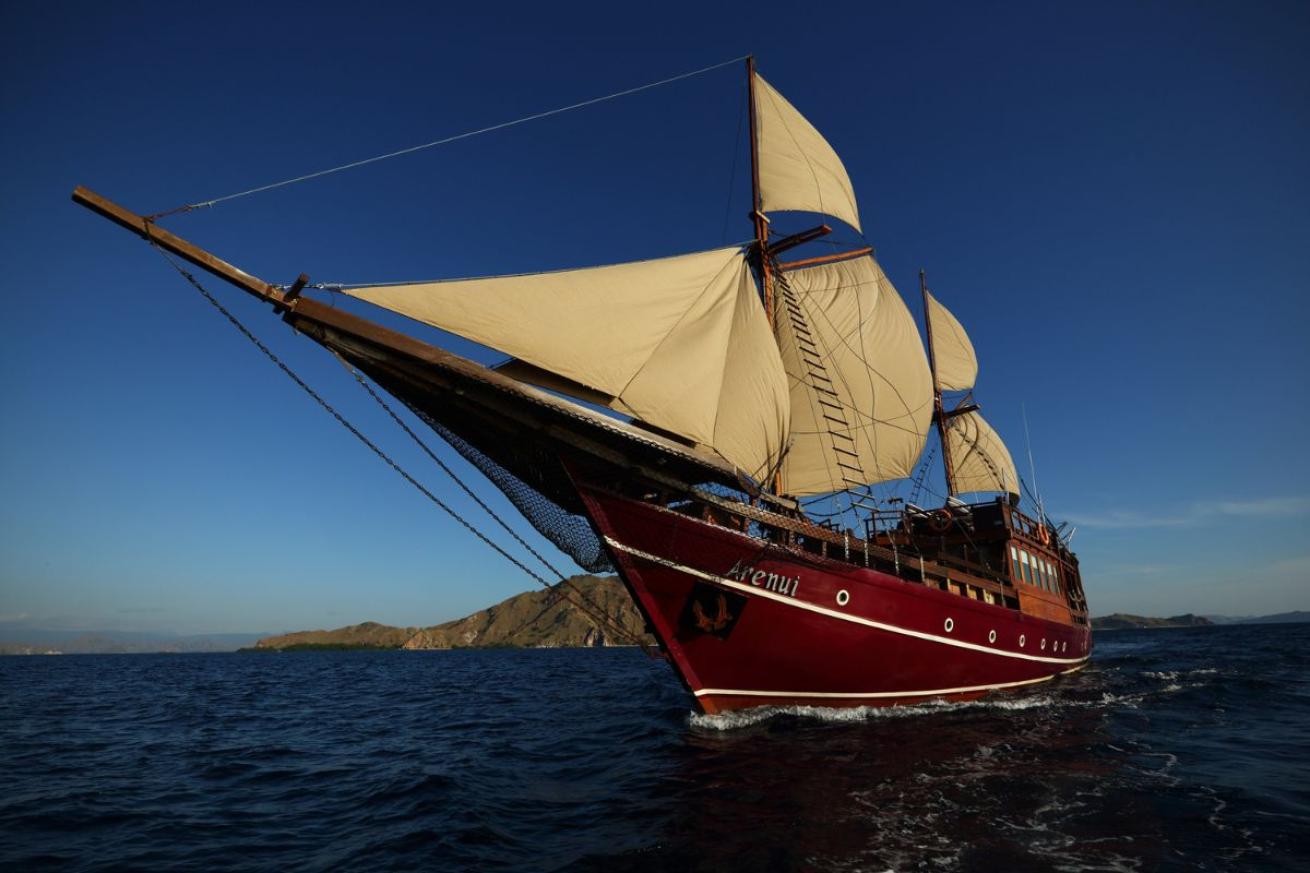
{"x": 1298, "y": 617}
{"x": 546, "y": 618}
{"x": 40, "y": 642}
{"x": 1123, "y": 621}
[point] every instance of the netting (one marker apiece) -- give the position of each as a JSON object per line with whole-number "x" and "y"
{"x": 570, "y": 532}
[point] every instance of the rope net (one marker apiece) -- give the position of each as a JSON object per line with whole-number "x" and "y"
{"x": 570, "y": 532}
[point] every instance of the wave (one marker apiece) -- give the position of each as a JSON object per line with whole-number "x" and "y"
{"x": 742, "y": 718}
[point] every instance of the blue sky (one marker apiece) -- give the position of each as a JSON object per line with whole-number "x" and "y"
{"x": 1114, "y": 198}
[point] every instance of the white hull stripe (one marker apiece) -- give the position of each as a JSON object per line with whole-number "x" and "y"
{"x": 832, "y": 613}
{"x": 853, "y": 695}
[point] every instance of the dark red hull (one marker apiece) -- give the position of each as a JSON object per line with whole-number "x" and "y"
{"x": 750, "y": 623}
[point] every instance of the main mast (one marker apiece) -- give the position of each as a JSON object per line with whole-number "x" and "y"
{"x": 761, "y": 225}
{"x": 757, "y": 211}
{"x": 938, "y": 411}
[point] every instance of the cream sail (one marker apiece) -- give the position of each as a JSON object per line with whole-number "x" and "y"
{"x": 681, "y": 343}
{"x": 957, "y": 365}
{"x": 861, "y": 390}
{"x": 798, "y": 169}
{"x": 979, "y": 459}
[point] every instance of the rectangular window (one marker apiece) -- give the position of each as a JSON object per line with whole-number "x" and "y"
{"x": 1055, "y": 579}
{"x": 1027, "y": 568}
{"x": 1014, "y": 563}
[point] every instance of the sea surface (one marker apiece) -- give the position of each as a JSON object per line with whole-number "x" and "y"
{"x": 1175, "y": 750}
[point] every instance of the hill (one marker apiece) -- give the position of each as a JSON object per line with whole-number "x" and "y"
{"x": 368, "y": 635}
{"x": 1123, "y": 621}
{"x": 536, "y": 619}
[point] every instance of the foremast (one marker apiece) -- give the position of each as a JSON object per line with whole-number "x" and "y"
{"x": 938, "y": 410}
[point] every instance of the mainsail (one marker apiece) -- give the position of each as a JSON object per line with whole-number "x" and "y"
{"x": 861, "y": 390}
{"x": 681, "y": 343}
{"x": 976, "y": 457}
{"x": 798, "y": 169}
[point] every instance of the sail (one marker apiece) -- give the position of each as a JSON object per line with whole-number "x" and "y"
{"x": 681, "y": 343}
{"x": 861, "y": 390}
{"x": 957, "y": 365}
{"x": 979, "y": 458}
{"x": 798, "y": 169}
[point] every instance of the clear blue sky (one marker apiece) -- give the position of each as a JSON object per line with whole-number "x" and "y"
{"x": 1113, "y": 197}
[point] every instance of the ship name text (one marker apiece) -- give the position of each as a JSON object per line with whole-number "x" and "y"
{"x": 743, "y": 572}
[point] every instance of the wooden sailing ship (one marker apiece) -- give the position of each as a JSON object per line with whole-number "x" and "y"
{"x": 668, "y": 419}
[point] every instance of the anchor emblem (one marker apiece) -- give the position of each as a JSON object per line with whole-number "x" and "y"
{"x": 710, "y": 625}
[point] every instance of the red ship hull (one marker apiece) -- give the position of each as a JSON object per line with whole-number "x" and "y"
{"x": 748, "y": 623}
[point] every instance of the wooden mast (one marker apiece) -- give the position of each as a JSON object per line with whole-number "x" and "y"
{"x": 757, "y": 212}
{"x": 761, "y": 226}
{"x": 938, "y": 413}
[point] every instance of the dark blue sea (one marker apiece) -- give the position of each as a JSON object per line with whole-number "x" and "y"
{"x": 1176, "y": 750}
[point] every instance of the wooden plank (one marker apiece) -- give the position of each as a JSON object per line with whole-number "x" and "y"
{"x": 297, "y": 286}
{"x": 178, "y": 246}
{"x": 796, "y": 239}
{"x": 826, "y": 259}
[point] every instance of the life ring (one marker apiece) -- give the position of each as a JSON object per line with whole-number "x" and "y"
{"x": 940, "y": 520}
{"x": 1044, "y": 534}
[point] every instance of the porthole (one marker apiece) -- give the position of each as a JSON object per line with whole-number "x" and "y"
{"x": 843, "y": 597}
{"x": 950, "y": 625}
{"x": 1022, "y": 640}
{"x": 1064, "y": 647}
{"x": 1043, "y": 645}
{"x": 991, "y": 636}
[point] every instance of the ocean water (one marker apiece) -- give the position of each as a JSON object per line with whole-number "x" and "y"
{"x": 1175, "y": 750}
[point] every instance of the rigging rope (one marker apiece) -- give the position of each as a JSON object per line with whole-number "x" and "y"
{"x": 596, "y": 614}
{"x": 449, "y": 139}
{"x": 359, "y": 377}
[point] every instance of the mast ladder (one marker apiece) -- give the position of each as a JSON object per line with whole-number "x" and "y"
{"x": 831, "y": 412}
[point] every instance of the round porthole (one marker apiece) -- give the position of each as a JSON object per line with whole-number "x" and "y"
{"x": 950, "y": 625}
{"x": 1022, "y": 640}
{"x": 1043, "y": 645}
{"x": 843, "y": 597}
{"x": 991, "y": 636}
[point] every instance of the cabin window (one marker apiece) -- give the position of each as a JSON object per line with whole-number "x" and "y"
{"x": 1055, "y": 579}
{"x": 1014, "y": 562}
{"x": 1027, "y": 568}
{"x": 1038, "y": 572}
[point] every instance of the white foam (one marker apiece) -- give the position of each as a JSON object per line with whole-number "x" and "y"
{"x": 747, "y": 717}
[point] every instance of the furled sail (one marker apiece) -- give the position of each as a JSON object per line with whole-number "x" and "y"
{"x": 957, "y": 365}
{"x": 681, "y": 343}
{"x": 979, "y": 458}
{"x": 798, "y": 169}
{"x": 861, "y": 390}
